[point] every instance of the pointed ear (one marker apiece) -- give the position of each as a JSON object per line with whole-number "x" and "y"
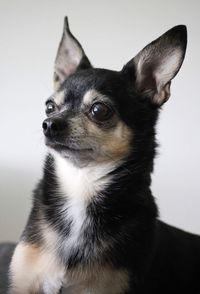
{"x": 158, "y": 63}
{"x": 70, "y": 57}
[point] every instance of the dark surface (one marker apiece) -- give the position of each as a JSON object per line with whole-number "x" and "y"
{"x": 6, "y": 251}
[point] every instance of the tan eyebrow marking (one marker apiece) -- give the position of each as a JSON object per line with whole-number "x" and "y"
{"x": 59, "y": 97}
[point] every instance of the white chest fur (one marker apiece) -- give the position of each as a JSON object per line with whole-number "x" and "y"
{"x": 79, "y": 186}
{"x": 82, "y": 183}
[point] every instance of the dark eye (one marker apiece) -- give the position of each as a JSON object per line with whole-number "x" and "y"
{"x": 100, "y": 111}
{"x": 50, "y": 107}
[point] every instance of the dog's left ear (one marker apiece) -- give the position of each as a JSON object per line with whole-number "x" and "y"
{"x": 157, "y": 64}
{"x": 70, "y": 57}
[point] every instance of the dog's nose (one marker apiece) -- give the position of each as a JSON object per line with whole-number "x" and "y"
{"x": 53, "y": 126}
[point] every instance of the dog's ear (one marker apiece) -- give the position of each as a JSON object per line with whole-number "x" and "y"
{"x": 156, "y": 65}
{"x": 70, "y": 57}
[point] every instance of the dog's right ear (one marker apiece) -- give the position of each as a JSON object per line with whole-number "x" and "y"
{"x": 70, "y": 57}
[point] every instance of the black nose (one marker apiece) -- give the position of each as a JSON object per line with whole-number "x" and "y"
{"x": 53, "y": 126}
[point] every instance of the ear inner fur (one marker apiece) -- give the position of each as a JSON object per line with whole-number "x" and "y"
{"x": 70, "y": 57}
{"x": 158, "y": 63}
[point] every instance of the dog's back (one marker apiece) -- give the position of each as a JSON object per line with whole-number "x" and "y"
{"x": 175, "y": 266}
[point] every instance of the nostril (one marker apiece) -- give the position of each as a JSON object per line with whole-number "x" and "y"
{"x": 45, "y": 126}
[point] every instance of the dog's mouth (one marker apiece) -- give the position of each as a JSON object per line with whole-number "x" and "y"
{"x": 60, "y": 147}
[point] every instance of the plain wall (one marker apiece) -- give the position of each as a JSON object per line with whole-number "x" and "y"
{"x": 111, "y": 32}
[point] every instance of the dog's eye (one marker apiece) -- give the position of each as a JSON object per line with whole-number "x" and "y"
{"x": 100, "y": 111}
{"x": 50, "y": 107}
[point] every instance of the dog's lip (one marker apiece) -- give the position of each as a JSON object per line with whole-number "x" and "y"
{"x": 62, "y": 147}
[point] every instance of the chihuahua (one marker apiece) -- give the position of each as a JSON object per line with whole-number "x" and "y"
{"x": 94, "y": 227}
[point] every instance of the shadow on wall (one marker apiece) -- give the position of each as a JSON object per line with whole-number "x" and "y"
{"x": 15, "y": 199}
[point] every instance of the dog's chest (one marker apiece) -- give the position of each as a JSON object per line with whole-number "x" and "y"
{"x": 100, "y": 280}
{"x": 82, "y": 184}
{"x": 78, "y": 187}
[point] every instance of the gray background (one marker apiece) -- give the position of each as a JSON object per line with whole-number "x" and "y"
{"x": 111, "y": 33}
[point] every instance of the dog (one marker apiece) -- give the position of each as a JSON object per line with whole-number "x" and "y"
{"x": 94, "y": 225}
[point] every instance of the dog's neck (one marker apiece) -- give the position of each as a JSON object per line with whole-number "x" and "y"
{"x": 97, "y": 179}
{"x": 83, "y": 183}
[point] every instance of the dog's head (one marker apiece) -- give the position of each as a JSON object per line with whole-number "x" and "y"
{"x": 102, "y": 115}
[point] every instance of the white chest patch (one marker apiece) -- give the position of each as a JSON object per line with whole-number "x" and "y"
{"x": 79, "y": 186}
{"x": 82, "y": 183}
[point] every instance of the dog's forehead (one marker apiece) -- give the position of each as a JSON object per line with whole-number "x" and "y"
{"x": 85, "y": 86}
{"x": 89, "y": 96}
